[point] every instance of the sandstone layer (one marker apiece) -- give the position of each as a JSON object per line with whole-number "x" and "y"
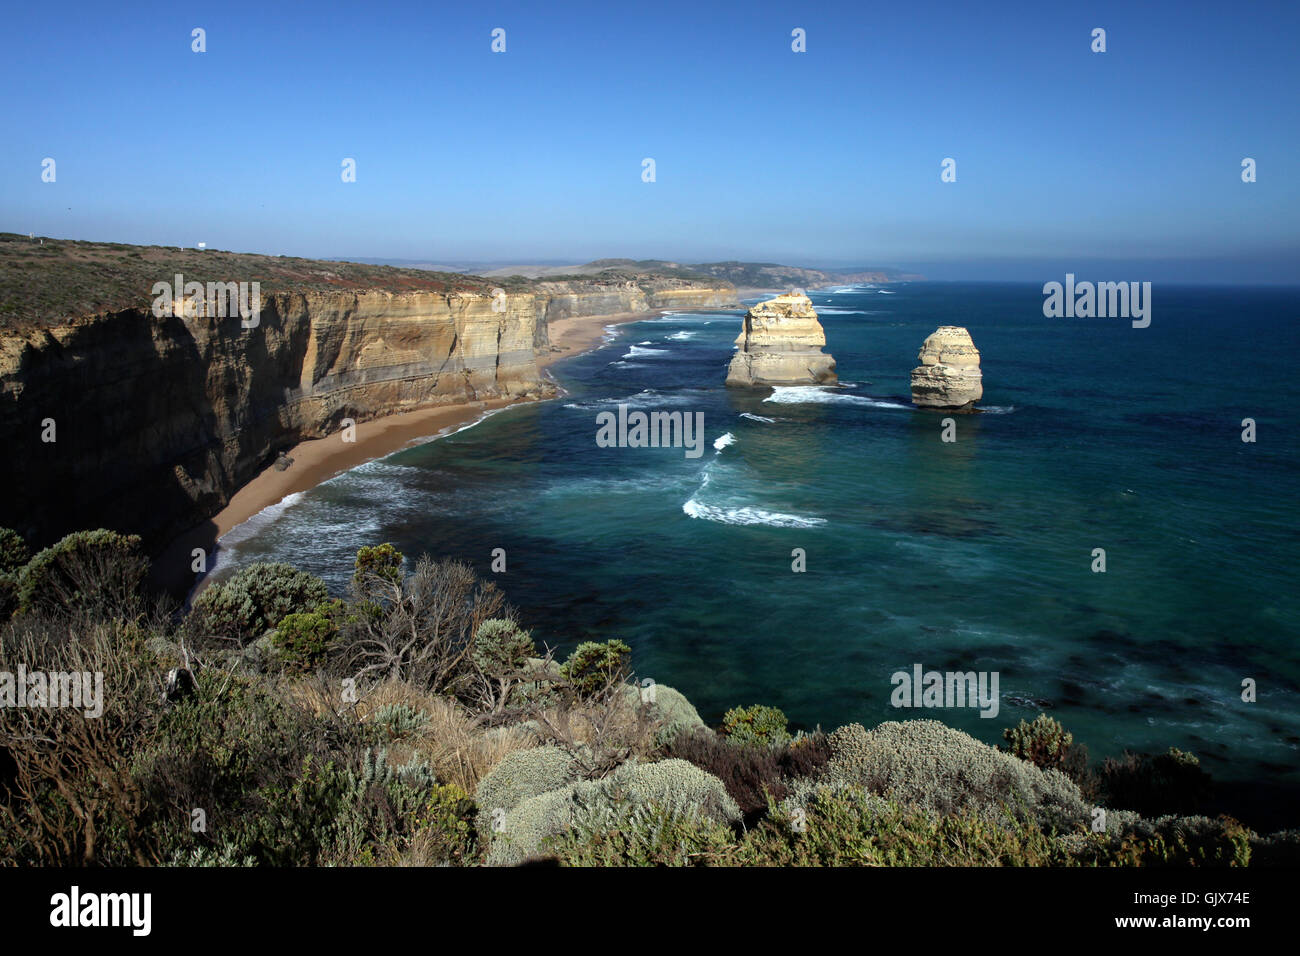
{"x": 157, "y": 422}
{"x": 949, "y": 375}
{"x": 781, "y": 344}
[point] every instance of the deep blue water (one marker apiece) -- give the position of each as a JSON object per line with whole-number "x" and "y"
{"x": 973, "y": 555}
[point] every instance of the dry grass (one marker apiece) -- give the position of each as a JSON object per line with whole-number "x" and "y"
{"x": 458, "y": 748}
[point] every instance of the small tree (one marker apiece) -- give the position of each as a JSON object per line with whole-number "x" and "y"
{"x": 419, "y": 628}
{"x": 592, "y": 669}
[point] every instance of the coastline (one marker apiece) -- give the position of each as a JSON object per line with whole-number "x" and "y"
{"x": 317, "y": 460}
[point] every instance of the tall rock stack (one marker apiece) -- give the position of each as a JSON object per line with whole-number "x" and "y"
{"x": 781, "y": 344}
{"x": 949, "y": 376}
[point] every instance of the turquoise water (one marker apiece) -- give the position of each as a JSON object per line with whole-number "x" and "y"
{"x": 971, "y": 555}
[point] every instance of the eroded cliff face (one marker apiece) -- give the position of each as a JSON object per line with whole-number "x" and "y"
{"x": 156, "y": 422}
{"x": 949, "y": 375}
{"x": 781, "y": 344}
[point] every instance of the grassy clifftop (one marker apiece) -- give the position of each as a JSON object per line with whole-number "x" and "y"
{"x": 46, "y": 282}
{"x": 415, "y": 721}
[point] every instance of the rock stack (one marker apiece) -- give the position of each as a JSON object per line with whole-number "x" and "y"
{"x": 949, "y": 376}
{"x": 781, "y": 344}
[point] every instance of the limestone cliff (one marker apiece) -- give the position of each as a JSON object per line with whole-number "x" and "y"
{"x": 158, "y": 421}
{"x": 949, "y": 375}
{"x": 781, "y": 344}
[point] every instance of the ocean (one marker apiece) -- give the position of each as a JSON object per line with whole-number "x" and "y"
{"x": 970, "y": 555}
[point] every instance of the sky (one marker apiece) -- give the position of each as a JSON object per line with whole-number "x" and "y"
{"x": 1117, "y": 165}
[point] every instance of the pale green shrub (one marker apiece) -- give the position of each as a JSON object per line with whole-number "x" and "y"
{"x": 677, "y": 787}
{"x": 927, "y": 764}
{"x": 520, "y": 776}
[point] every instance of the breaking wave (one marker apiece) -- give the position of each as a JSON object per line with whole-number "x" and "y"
{"x": 818, "y": 394}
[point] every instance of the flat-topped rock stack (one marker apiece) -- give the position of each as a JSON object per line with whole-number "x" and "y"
{"x": 949, "y": 375}
{"x": 781, "y": 344}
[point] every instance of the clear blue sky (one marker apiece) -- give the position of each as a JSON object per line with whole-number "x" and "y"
{"x": 831, "y": 156}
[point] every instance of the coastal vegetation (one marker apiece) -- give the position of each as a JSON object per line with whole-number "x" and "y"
{"x": 414, "y": 720}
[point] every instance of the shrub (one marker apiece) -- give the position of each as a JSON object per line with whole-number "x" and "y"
{"x": 68, "y": 795}
{"x": 97, "y": 572}
{"x": 420, "y": 628}
{"x": 378, "y": 809}
{"x": 806, "y": 755}
{"x": 845, "y": 825}
{"x": 13, "y": 550}
{"x": 759, "y": 725}
{"x": 929, "y": 765}
{"x": 256, "y": 599}
{"x": 522, "y": 775}
{"x": 642, "y": 835}
{"x": 395, "y": 721}
{"x": 1185, "y": 841}
{"x": 593, "y": 668}
{"x": 303, "y": 639}
{"x": 752, "y": 775}
{"x": 1048, "y": 746}
{"x": 675, "y": 786}
{"x": 266, "y": 772}
{"x": 500, "y": 647}
{"x": 8, "y": 595}
{"x": 1165, "y": 783}
{"x": 381, "y": 561}
{"x": 668, "y": 708}
{"x": 444, "y": 827}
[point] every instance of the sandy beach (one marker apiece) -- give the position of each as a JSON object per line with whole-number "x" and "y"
{"x": 320, "y": 459}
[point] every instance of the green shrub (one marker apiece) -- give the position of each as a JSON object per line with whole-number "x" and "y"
{"x": 268, "y": 774}
{"x": 395, "y": 721}
{"x": 13, "y": 550}
{"x": 521, "y": 775}
{"x": 303, "y": 639}
{"x": 928, "y": 765}
{"x": 593, "y": 668}
{"x": 1185, "y": 841}
{"x": 675, "y": 786}
{"x": 644, "y": 834}
{"x": 1048, "y": 746}
{"x": 845, "y": 825}
{"x": 378, "y": 560}
{"x": 97, "y": 572}
{"x": 444, "y": 826}
{"x": 256, "y": 599}
{"x": 500, "y": 647}
{"x": 759, "y": 725}
{"x": 8, "y": 595}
